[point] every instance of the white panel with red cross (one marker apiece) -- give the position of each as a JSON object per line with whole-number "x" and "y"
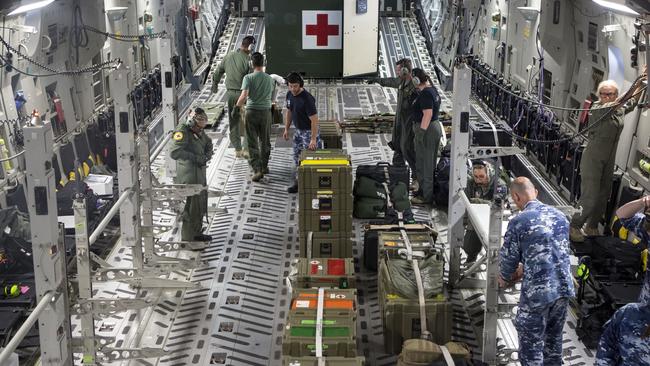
{"x": 322, "y": 29}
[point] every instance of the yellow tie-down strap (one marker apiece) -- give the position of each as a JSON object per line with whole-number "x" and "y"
{"x": 325, "y": 162}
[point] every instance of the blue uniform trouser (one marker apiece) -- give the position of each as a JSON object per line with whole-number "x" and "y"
{"x": 540, "y": 334}
{"x": 301, "y": 139}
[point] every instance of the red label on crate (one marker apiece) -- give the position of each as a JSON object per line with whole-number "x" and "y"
{"x": 314, "y": 267}
{"x": 336, "y": 267}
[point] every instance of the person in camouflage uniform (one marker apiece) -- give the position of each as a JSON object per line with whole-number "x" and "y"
{"x": 480, "y": 189}
{"x": 626, "y": 338}
{"x": 192, "y": 150}
{"x": 402, "y": 136}
{"x": 235, "y": 65}
{"x": 632, "y": 217}
{"x": 536, "y": 247}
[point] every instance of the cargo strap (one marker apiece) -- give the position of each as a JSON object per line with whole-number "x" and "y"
{"x": 496, "y": 139}
{"x": 389, "y": 203}
{"x": 418, "y": 280}
{"x": 319, "y": 327}
{"x": 310, "y": 238}
{"x": 448, "y": 359}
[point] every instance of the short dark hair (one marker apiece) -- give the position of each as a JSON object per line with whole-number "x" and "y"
{"x": 257, "y": 59}
{"x": 247, "y": 41}
{"x": 294, "y": 78}
{"x": 405, "y": 62}
{"x": 199, "y": 110}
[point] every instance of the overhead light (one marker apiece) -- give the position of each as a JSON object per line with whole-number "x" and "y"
{"x": 29, "y": 7}
{"x": 616, "y": 7}
{"x": 530, "y": 13}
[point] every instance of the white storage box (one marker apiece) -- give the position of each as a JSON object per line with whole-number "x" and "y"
{"x": 100, "y": 184}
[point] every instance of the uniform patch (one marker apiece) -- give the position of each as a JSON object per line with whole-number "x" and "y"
{"x": 178, "y": 135}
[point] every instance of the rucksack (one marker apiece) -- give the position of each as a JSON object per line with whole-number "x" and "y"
{"x": 442, "y": 173}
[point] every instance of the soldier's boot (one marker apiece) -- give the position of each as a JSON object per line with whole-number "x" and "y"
{"x": 239, "y": 154}
{"x": 576, "y": 235}
{"x": 591, "y": 231}
{"x": 293, "y": 188}
{"x": 415, "y": 186}
{"x": 203, "y": 237}
{"x": 257, "y": 177}
{"x": 419, "y": 200}
{"x": 245, "y": 154}
{"x": 265, "y": 170}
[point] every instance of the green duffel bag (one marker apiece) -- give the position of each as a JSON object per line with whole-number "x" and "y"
{"x": 369, "y": 208}
{"x": 400, "y": 197}
{"x": 369, "y": 188}
{"x": 419, "y": 352}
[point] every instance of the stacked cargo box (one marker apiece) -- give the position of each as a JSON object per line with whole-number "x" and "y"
{"x": 322, "y": 318}
{"x": 398, "y": 290}
{"x": 330, "y": 133}
{"x": 325, "y": 206}
{"x": 321, "y": 321}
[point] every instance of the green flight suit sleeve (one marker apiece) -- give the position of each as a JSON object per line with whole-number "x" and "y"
{"x": 218, "y": 74}
{"x": 389, "y": 82}
{"x": 179, "y": 150}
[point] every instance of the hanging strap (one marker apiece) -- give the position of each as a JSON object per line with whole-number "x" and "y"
{"x": 418, "y": 281}
{"x": 310, "y": 238}
{"x": 448, "y": 359}
{"x": 319, "y": 327}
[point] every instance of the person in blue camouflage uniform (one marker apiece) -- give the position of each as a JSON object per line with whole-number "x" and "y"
{"x": 480, "y": 189}
{"x": 301, "y": 112}
{"x": 626, "y": 338}
{"x": 536, "y": 247}
{"x": 632, "y": 217}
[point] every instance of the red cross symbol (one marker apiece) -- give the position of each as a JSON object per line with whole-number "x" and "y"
{"x": 322, "y": 30}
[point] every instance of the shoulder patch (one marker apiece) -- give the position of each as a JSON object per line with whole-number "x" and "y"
{"x": 178, "y": 135}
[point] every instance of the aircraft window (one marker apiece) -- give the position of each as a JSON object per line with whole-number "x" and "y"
{"x": 592, "y": 40}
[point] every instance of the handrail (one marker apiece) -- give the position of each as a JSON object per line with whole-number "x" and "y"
{"x": 47, "y": 298}
{"x": 160, "y": 147}
{"x": 109, "y": 216}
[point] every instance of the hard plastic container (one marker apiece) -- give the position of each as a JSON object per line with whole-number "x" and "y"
{"x": 331, "y": 134}
{"x": 325, "y": 200}
{"x": 326, "y": 245}
{"x": 325, "y": 272}
{"x": 325, "y": 221}
{"x": 337, "y": 300}
{"x": 392, "y": 243}
{"x": 325, "y": 170}
{"x": 338, "y": 337}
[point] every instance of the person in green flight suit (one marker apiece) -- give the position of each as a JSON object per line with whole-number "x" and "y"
{"x": 192, "y": 150}
{"x": 236, "y": 64}
{"x": 402, "y": 139}
{"x": 598, "y": 159}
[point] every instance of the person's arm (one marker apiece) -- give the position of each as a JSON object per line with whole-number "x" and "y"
{"x": 314, "y": 131}
{"x": 387, "y": 82}
{"x": 287, "y": 124}
{"x": 608, "y": 353}
{"x": 426, "y": 104}
{"x": 217, "y": 75}
{"x": 633, "y": 207}
{"x": 510, "y": 254}
{"x": 242, "y": 98}
{"x": 426, "y": 118}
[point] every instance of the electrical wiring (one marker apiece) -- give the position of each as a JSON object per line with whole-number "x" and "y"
{"x": 127, "y": 37}
{"x": 54, "y": 72}
{"x": 78, "y": 33}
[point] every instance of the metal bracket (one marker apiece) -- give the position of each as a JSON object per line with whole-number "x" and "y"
{"x": 100, "y": 342}
{"x": 165, "y": 265}
{"x": 478, "y": 152}
{"x": 121, "y": 354}
{"x": 97, "y": 259}
{"x": 137, "y": 278}
{"x": 109, "y": 306}
{"x": 172, "y": 246}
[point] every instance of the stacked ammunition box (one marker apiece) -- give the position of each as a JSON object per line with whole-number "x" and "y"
{"x": 325, "y": 272}
{"x": 337, "y": 323}
{"x": 401, "y": 313}
{"x": 325, "y": 206}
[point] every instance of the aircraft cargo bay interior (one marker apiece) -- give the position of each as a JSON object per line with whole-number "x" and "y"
{"x": 326, "y": 182}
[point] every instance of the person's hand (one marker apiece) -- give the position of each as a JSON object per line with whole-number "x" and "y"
{"x": 502, "y": 283}
{"x": 519, "y": 273}
{"x": 285, "y": 134}
{"x": 312, "y": 144}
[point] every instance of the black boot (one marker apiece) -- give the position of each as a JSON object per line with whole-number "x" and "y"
{"x": 293, "y": 188}
{"x": 203, "y": 237}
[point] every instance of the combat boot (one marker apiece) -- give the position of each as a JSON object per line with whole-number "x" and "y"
{"x": 576, "y": 235}
{"x": 293, "y": 188}
{"x": 203, "y": 237}
{"x": 257, "y": 176}
{"x": 415, "y": 186}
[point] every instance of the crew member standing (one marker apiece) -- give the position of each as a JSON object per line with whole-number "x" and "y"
{"x": 402, "y": 138}
{"x": 626, "y": 338}
{"x": 301, "y": 111}
{"x": 536, "y": 246}
{"x": 427, "y": 134}
{"x": 235, "y": 65}
{"x": 192, "y": 150}
{"x": 598, "y": 158}
{"x": 257, "y": 90}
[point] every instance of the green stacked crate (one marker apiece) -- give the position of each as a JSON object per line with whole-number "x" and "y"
{"x": 329, "y": 361}
{"x": 326, "y": 245}
{"x": 330, "y": 133}
{"x": 325, "y": 272}
{"x": 338, "y": 336}
{"x": 325, "y": 191}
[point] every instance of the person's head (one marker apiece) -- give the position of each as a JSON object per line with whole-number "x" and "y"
{"x": 403, "y": 68}
{"x": 480, "y": 174}
{"x": 295, "y": 83}
{"x": 607, "y": 91}
{"x": 200, "y": 118}
{"x": 247, "y": 44}
{"x": 257, "y": 59}
{"x": 421, "y": 78}
{"x": 522, "y": 191}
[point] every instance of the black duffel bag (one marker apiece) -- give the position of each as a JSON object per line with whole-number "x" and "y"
{"x": 383, "y": 170}
{"x": 615, "y": 259}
